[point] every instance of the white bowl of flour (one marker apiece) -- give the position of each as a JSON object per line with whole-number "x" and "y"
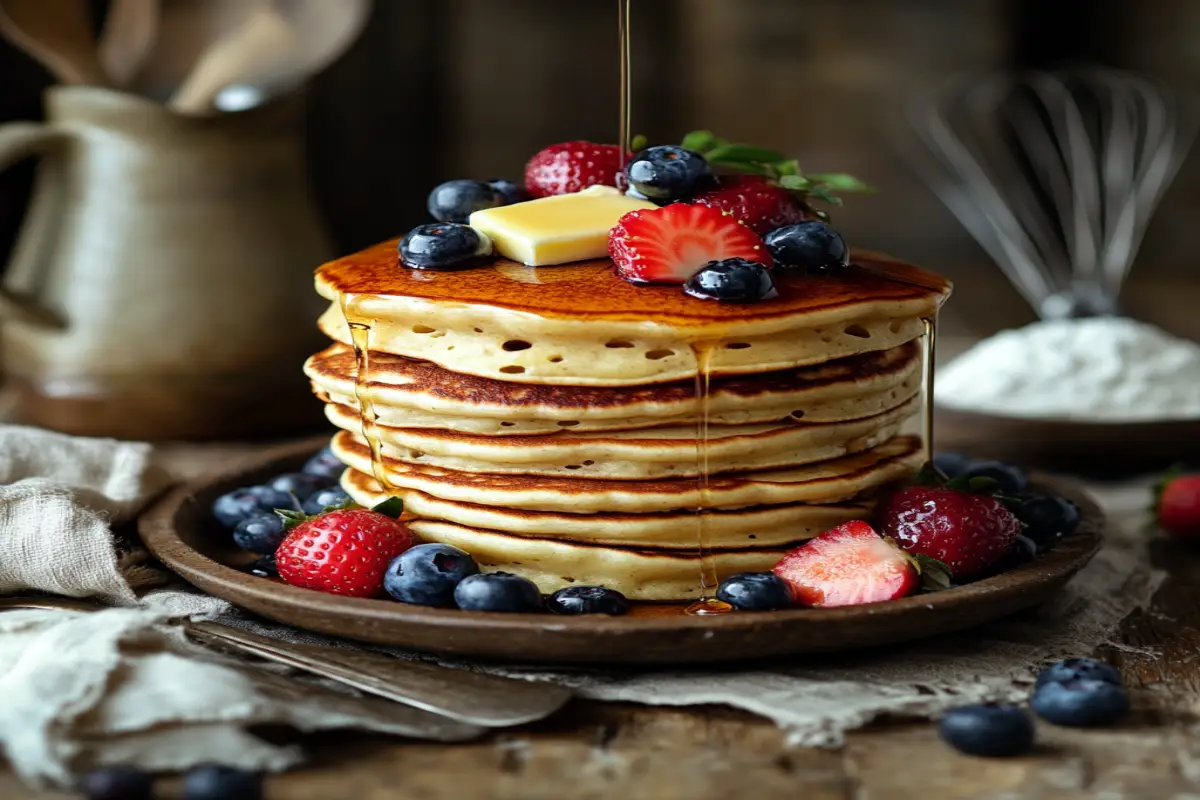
{"x": 1108, "y": 370}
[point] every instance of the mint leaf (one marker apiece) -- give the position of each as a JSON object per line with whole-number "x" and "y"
{"x": 821, "y": 192}
{"x": 796, "y": 183}
{"x": 983, "y": 485}
{"x": 841, "y": 182}
{"x": 392, "y": 507}
{"x": 791, "y": 167}
{"x": 291, "y": 518}
{"x": 743, "y": 154}
{"x": 929, "y": 475}
{"x": 701, "y": 141}
{"x": 639, "y": 143}
{"x": 936, "y": 576}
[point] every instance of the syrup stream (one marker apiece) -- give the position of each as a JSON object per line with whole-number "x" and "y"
{"x": 708, "y": 603}
{"x": 927, "y": 375}
{"x": 623, "y": 135}
{"x": 360, "y": 336}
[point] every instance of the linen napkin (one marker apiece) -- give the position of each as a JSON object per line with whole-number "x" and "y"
{"x": 123, "y": 686}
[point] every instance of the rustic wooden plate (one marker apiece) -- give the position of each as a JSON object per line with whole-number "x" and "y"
{"x": 1085, "y": 447}
{"x": 180, "y": 531}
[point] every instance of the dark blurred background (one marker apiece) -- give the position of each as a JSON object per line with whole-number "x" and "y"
{"x": 436, "y": 89}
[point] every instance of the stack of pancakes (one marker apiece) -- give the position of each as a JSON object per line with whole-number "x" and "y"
{"x": 545, "y": 420}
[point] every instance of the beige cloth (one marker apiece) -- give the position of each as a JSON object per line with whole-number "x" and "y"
{"x": 122, "y": 686}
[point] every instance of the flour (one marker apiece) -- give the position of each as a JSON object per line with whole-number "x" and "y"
{"x": 1102, "y": 369}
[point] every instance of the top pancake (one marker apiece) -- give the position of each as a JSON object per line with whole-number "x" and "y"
{"x": 579, "y": 324}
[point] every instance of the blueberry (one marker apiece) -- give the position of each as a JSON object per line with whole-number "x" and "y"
{"x": 511, "y": 192}
{"x": 428, "y": 574}
{"x": 261, "y": 533}
{"x": 1080, "y": 703}
{"x": 443, "y": 245}
{"x": 996, "y": 730}
{"x": 1048, "y": 518}
{"x": 1011, "y": 480}
{"x": 324, "y": 463}
{"x": 732, "y": 280}
{"x": 116, "y": 783}
{"x": 1077, "y": 669}
{"x": 301, "y": 484}
{"x": 333, "y": 496}
{"x": 455, "y": 201}
{"x": 951, "y": 464}
{"x": 1021, "y": 551}
{"x": 497, "y": 591}
{"x": 214, "y": 782}
{"x": 588, "y": 600}
{"x": 667, "y": 173}
{"x": 262, "y": 567}
{"x": 755, "y": 591}
{"x": 240, "y": 504}
{"x": 812, "y": 246}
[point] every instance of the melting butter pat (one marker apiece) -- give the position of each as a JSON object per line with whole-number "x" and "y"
{"x": 559, "y": 229}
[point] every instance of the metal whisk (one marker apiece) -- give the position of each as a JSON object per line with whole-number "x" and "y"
{"x": 1056, "y": 175}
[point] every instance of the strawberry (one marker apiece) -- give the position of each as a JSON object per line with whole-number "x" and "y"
{"x": 966, "y": 531}
{"x": 343, "y": 552}
{"x": 759, "y": 202}
{"x": 848, "y": 566}
{"x": 1177, "y": 505}
{"x": 671, "y": 244}
{"x": 571, "y": 167}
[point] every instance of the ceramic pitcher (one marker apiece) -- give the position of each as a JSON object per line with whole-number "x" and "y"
{"x": 161, "y": 286}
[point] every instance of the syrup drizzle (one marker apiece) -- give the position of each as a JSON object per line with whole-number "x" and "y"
{"x": 360, "y": 337}
{"x": 623, "y": 135}
{"x": 927, "y": 394}
{"x": 708, "y": 602}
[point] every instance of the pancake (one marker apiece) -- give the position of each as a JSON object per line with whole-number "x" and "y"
{"x": 762, "y": 526}
{"x": 832, "y": 481}
{"x": 644, "y": 574}
{"x": 651, "y": 453}
{"x": 580, "y": 325}
{"x": 419, "y": 394}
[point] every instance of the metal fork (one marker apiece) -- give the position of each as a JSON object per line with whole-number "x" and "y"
{"x": 480, "y": 699}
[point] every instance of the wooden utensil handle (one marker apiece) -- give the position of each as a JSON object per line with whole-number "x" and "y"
{"x": 18, "y": 141}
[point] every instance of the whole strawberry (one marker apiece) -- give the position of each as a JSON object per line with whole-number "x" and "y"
{"x": 762, "y": 204}
{"x": 342, "y": 552}
{"x": 1177, "y": 505}
{"x": 571, "y": 167}
{"x": 966, "y": 531}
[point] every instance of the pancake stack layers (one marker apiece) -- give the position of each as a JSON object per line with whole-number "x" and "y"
{"x": 545, "y": 420}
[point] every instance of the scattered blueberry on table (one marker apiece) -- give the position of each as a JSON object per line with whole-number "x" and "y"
{"x": 323, "y": 499}
{"x": 995, "y": 730}
{"x": 811, "y": 246}
{"x": 1074, "y": 669}
{"x": 497, "y": 591}
{"x": 1080, "y": 703}
{"x": 324, "y": 463}
{"x": 755, "y": 591}
{"x": 215, "y": 782}
{"x": 116, "y": 783}
{"x": 428, "y": 574}
{"x": 240, "y": 504}
{"x": 588, "y": 600}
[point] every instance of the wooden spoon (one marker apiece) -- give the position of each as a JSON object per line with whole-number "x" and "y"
{"x": 59, "y": 35}
{"x": 128, "y": 37}
{"x": 254, "y": 47}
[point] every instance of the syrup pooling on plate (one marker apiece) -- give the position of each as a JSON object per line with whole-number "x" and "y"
{"x": 708, "y": 603}
{"x": 360, "y": 335}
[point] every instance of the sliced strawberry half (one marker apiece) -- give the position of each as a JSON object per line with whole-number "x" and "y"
{"x": 849, "y": 565}
{"x": 671, "y": 244}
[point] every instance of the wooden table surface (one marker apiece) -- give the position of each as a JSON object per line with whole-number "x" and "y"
{"x": 592, "y": 750}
